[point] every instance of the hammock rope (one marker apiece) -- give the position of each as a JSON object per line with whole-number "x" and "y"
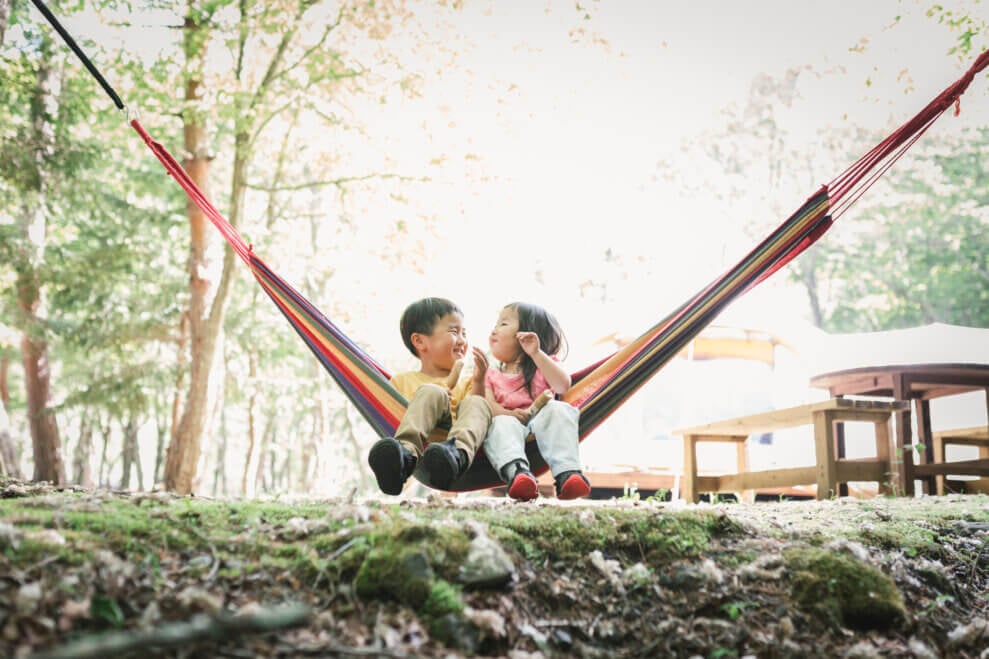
{"x": 600, "y": 388}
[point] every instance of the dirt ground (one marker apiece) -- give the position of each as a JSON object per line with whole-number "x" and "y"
{"x": 101, "y": 574}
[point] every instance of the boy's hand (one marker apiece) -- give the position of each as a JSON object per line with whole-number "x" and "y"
{"x": 529, "y": 342}
{"x": 454, "y": 377}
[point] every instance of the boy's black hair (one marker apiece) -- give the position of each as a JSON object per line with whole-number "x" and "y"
{"x": 420, "y": 318}
{"x": 533, "y": 318}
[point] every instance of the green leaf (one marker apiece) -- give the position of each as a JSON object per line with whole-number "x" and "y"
{"x": 106, "y": 609}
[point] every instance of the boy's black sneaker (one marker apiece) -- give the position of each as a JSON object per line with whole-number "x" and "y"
{"x": 572, "y": 485}
{"x": 391, "y": 463}
{"x": 443, "y": 463}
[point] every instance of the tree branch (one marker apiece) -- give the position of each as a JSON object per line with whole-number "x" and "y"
{"x": 322, "y": 40}
{"x": 337, "y": 182}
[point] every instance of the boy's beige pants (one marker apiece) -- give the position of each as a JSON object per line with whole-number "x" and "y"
{"x": 429, "y": 406}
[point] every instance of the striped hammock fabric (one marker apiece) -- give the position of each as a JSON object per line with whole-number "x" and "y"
{"x": 601, "y": 388}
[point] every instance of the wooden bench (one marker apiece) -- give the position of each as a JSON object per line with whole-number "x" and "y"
{"x": 940, "y": 467}
{"x": 828, "y": 471}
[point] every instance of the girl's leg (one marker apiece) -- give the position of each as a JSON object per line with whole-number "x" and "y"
{"x": 556, "y": 431}
{"x": 555, "y": 428}
{"x": 505, "y": 442}
{"x": 505, "y": 447}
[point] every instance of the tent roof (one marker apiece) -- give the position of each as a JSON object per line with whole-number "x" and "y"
{"x": 937, "y": 343}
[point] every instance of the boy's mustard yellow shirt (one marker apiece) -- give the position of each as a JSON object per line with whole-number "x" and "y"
{"x": 407, "y": 383}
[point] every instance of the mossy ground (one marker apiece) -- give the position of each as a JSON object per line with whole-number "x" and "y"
{"x": 843, "y": 589}
{"x": 619, "y": 578}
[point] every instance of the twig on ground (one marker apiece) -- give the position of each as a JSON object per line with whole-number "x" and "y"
{"x": 331, "y": 650}
{"x": 332, "y": 557}
{"x": 198, "y": 628}
{"x": 215, "y": 567}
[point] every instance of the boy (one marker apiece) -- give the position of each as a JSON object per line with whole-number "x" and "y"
{"x": 433, "y": 331}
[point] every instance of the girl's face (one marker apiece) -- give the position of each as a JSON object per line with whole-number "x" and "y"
{"x": 504, "y": 345}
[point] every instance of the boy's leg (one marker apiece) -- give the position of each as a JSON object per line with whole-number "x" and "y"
{"x": 429, "y": 405}
{"x": 444, "y": 462}
{"x": 471, "y": 426}
{"x": 393, "y": 459}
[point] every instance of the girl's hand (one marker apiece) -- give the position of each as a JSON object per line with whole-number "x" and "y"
{"x": 540, "y": 402}
{"x": 529, "y": 342}
{"x": 522, "y": 416}
{"x": 480, "y": 368}
{"x": 480, "y": 363}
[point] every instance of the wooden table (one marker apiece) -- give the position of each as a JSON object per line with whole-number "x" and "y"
{"x": 919, "y": 383}
{"x": 829, "y": 469}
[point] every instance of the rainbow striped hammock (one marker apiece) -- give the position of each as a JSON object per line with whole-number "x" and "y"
{"x": 601, "y": 388}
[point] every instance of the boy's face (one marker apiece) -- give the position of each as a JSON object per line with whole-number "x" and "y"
{"x": 445, "y": 345}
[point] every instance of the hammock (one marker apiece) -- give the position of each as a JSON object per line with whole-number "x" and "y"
{"x": 600, "y": 388}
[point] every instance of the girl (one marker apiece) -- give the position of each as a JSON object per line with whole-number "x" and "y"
{"x": 525, "y": 341}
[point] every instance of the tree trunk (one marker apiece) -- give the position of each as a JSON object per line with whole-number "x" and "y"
{"x": 82, "y": 470}
{"x": 4, "y": 18}
{"x": 48, "y": 463}
{"x": 182, "y": 367}
{"x": 161, "y": 427}
{"x": 131, "y": 454}
{"x": 252, "y": 361}
{"x": 185, "y": 448}
{"x": 126, "y": 457}
{"x": 9, "y": 464}
{"x": 4, "y": 387}
{"x": 219, "y": 471}
{"x": 104, "y": 471}
{"x": 308, "y": 459}
{"x": 205, "y": 317}
{"x": 808, "y": 276}
{"x": 260, "y": 483}
{"x": 283, "y": 481}
{"x": 351, "y": 422}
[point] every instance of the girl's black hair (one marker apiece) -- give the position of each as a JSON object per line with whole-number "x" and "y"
{"x": 533, "y": 318}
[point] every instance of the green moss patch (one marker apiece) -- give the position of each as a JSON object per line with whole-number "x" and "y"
{"x": 413, "y": 565}
{"x": 843, "y": 590}
{"x": 649, "y": 534}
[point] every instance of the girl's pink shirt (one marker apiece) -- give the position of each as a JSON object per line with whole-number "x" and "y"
{"x": 509, "y": 389}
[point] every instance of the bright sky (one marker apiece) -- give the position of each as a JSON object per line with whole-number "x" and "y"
{"x": 569, "y": 157}
{"x": 552, "y": 131}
